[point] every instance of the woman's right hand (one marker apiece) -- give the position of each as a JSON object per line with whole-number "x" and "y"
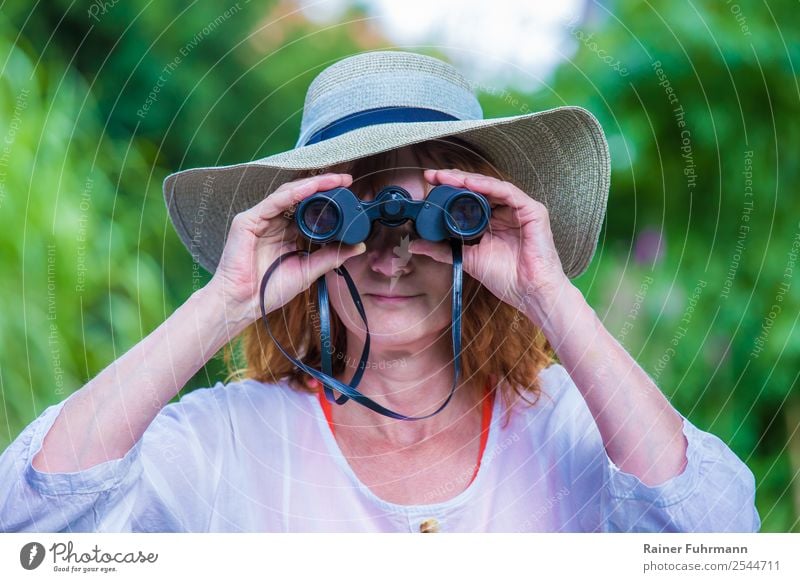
{"x": 260, "y": 235}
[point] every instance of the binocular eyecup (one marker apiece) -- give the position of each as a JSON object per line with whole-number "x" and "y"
{"x": 447, "y": 212}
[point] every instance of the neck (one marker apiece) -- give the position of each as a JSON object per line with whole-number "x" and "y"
{"x": 413, "y": 380}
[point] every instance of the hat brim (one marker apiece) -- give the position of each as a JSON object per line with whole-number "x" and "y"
{"x": 558, "y": 156}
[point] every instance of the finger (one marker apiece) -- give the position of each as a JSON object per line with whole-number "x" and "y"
{"x": 293, "y": 193}
{"x": 278, "y": 226}
{"x": 440, "y": 252}
{"x": 326, "y": 259}
{"x": 496, "y": 190}
{"x": 443, "y": 253}
{"x": 505, "y": 216}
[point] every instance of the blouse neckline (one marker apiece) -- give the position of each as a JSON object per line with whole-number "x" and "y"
{"x": 488, "y": 437}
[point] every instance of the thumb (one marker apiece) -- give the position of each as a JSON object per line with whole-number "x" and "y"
{"x": 327, "y": 259}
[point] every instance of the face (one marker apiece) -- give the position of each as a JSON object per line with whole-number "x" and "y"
{"x": 407, "y": 298}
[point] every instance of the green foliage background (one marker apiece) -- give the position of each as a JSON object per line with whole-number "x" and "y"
{"x": 92, "y": 264}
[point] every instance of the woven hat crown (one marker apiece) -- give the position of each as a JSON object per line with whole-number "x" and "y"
{"x": 385, "y": 79}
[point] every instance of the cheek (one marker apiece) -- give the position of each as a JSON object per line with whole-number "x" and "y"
{"x": 339, "y": 295}
{"x": 437, "y": 278}
{"x": 438, "y": 303}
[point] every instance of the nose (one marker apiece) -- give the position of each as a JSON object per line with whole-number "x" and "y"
{"x": 387, "y": 249}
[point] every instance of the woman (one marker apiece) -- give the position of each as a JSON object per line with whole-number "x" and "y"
{"x": 525, "y": 444}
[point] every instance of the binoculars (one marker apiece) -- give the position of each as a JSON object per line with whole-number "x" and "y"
{"x": 447, "y": 212}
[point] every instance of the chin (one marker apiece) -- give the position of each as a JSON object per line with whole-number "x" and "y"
{"x": 400, "y": 341}
{"x": 403, "y": 329}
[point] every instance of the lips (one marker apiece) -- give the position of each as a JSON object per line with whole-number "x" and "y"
{"x": 390, "y": 298}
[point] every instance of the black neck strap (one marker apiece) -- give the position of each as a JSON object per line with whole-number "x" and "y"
{"x": 348, "y": 391}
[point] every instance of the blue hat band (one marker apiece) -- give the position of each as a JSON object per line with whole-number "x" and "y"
{"x": 377, "y": 116}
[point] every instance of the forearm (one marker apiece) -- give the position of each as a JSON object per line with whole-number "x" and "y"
{"x": 106, "y": 417}
{"x": 641, "y": 431}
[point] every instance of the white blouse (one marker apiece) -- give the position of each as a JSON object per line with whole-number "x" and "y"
{"x": 261, "y": 458}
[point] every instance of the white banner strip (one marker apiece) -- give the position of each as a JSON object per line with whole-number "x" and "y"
{"x": 351, "y": 557}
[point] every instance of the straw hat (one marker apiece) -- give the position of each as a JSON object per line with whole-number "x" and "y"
{"x": 378, "y": 101}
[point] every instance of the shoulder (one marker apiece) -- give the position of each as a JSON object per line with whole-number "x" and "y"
{"x": 247, "y": 393}
{"x": 241, "y": 405}
{"x": 554, "y": 380}
{"x": 560, "y": 406}
{"x": 557, "y": 388}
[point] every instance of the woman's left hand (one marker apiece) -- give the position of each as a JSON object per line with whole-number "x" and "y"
{"x": 516, "y": 258}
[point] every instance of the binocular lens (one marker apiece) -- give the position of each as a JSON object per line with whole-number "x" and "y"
{"x": 466, "y": 213}
{"x": 321, "y": 216}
